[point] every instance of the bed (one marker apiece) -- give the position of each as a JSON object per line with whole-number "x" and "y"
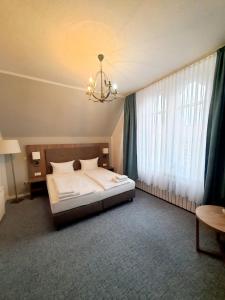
{"x": 97, "y": 193}
{"x": 96, "y": 200}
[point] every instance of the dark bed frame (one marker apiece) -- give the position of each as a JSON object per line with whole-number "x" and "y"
{"x": 67, "y": 217}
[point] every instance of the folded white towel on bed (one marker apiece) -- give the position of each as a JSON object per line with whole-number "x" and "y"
{"x": 104, "y": 178}
{"x": 66, "y": 194}
{"x": 63, "y": 186}
{"x": 119, "y": 177}
{"x": 69, "y": 196}
{"x": 119, "y": 180}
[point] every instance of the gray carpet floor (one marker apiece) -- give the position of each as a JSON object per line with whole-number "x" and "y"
{"x": 140, "y": 250}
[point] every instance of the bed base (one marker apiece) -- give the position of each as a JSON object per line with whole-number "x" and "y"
{"x": 65, "y": 218}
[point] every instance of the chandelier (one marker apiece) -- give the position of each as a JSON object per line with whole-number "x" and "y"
{"x": 101, "y": 89}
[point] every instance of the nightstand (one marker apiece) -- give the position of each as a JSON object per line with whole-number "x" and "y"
{"x": 37, "y": 186}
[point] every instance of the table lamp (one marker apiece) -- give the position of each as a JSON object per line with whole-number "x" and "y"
{"x": 11, "y": 147}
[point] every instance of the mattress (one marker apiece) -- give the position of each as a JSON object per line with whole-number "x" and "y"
{"x": 98, "y": 194}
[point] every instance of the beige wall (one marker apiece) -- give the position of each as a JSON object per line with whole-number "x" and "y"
{"x": 117, "y": 145}
{"x": 20, "y": 159}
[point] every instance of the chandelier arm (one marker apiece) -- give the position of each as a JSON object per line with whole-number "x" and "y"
{"x": 100, "y": 99}
{"x": 107, "y": 94}
{"x": 94, "y": 100}
{"x": 103, "y": 97}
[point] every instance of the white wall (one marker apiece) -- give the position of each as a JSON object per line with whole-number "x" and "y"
{"x": 3, "y": 179}
{"x": 117, "y": 145}
{"x": 20, "y": 159}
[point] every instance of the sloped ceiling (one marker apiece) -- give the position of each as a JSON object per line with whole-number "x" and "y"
{"x": 31, "y": 108}
{"x": 59, "y": 41}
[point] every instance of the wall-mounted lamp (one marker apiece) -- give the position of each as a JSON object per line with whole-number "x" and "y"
{"x": 105, "y": 151}
{"x": 36, "y": 156}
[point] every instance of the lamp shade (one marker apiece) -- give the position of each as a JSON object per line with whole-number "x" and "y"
{"x": 9, "y": 147}
{"x": 105, "y": 150}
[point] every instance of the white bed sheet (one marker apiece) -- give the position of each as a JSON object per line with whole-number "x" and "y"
{"x": 99, "y": 194}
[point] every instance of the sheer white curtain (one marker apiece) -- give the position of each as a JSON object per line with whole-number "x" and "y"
{"x": 172, "y": 119}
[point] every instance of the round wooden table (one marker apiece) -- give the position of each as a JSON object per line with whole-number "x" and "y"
{"x": 213, "y": 217}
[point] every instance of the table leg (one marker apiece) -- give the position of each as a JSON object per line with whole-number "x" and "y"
{"x": 213, "y": 254}
{"x": 197, "y": 234}
{"x": 218, "y": 236}
{"x": 221, "y": 245}
{"x": 31, "y": 192}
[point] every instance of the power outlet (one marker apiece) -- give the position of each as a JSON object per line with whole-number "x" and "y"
{"x": 37, "y": 174}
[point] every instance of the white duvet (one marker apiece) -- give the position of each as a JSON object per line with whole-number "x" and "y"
{"x": 105, "y": 178}
{"x": 72, "y": 184}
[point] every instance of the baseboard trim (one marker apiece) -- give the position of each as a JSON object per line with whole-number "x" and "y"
{"x": 8, "y": 198}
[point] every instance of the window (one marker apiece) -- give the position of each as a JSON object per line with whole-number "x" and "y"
{"x": 172, "y": 119}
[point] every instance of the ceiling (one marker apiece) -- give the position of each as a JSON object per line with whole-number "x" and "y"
{"x": 142, "y": 40}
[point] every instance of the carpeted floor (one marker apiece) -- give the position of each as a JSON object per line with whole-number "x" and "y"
{"x": 140, "y": 250}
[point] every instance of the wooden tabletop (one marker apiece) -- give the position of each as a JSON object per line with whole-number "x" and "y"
{"x": 212, "y": 216}
{"x": 36, "y": 179}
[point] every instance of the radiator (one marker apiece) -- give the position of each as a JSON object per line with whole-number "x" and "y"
{"x": 167, "y": 196}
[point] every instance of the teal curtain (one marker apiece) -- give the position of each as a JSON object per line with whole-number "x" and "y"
{"x": 215, "y": 144}
{"x": 129, "y": 138}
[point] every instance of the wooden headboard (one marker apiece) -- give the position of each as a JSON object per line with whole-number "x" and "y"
{"x": 63, "y": 153}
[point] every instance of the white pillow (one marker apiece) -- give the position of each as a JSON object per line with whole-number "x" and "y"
{"x": 65, "y": 167}
{"x": 89, "y": 164}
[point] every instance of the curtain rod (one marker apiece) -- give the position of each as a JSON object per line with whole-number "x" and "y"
{"x": 178, "y": 69}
